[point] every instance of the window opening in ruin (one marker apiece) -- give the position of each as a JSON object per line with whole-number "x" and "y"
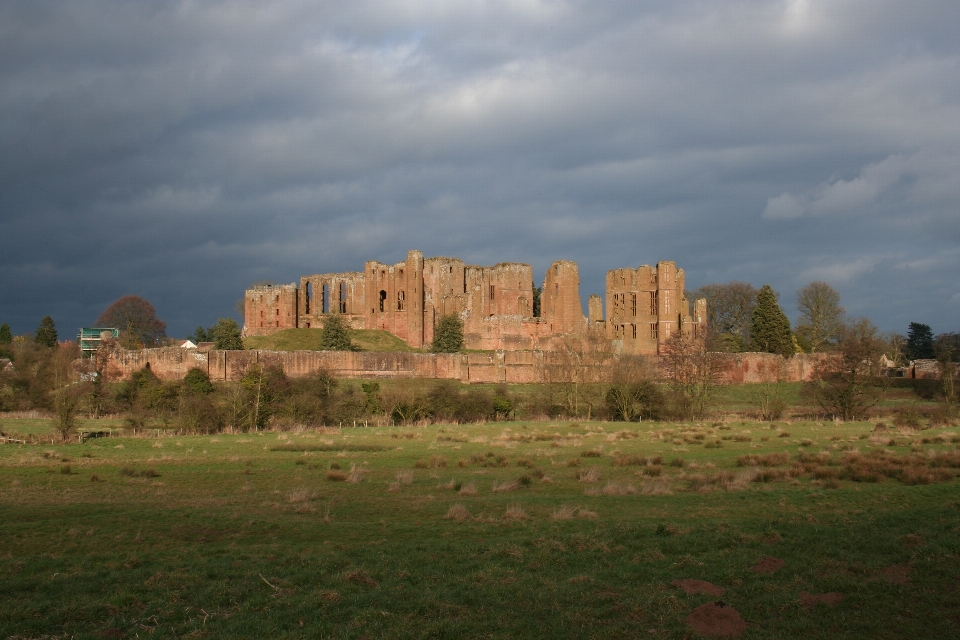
{"x": 401, "y": 297}
{"x": 307, "y": 298}
{"x": 654, "y": 303}
{"x": 491, "y": 293}
{"x": 634, "y": 332}
{"x": 308, "y": 325}
{"x": 277, "y": 312}
{"x": 325, "y": 308}
{"x": 653, "y": 330}
{"x": 383, "y": 297}
{"x": 451, "y": 269}
{"x": 343, "y": 297}
{"x": 400, "y": 271}
{"x": 653, "y": 277}
{"x": 633, "y": 309}
{"x": 666, "y": 302}
{"x": 666, "y": 330}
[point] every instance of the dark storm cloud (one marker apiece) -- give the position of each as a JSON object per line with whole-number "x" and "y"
{"x": 182, "y": 151}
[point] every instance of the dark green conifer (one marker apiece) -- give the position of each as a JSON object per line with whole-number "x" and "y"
{"x": 335, "y": 335}
{"x": 46, "y": 335}
{"x": 448, "y": 336}
{"x": 769, "y": 327}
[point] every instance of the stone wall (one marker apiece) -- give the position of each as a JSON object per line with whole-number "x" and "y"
{"x": 172, "y": 363}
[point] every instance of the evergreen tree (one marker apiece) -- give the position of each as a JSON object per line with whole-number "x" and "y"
{"x": 5, "y": 336}
{"x": 201, "y": 335}
{"x": 226, "y": 335}
{"x": 769, "y": 327}
{"x": 448, "y": 335}
{"x": 335, "y": 335}
{"x": 920, "y": 342}
{"x": 46, "y": 335}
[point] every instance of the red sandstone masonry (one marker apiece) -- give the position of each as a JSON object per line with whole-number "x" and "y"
{"x": 172, "y": 363}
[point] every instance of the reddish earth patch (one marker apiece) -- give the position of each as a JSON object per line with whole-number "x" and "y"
{"x": 716, "y": 619}
{"x": 768, "y": 565}
{"x": 810, "y": 600}
{"x": 692, "y": 585}
{"x": 897, "y": 574}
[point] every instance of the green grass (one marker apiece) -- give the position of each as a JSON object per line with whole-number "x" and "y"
{"x": 245, "y": 536}
{"x": 309, "y": 340}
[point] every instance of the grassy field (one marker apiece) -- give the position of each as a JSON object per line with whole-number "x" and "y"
{"x": 309, "y": 339}
{"x": 509, "y": 530}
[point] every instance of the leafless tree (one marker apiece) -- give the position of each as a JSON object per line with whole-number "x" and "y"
{"x": 849, "y": 384}
{"x": 821, "y": 316}
{"x": 691, "y": 371}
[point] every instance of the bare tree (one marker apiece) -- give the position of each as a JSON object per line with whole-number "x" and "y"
{"x": 729, "y": 310}
{"x": 848, "y": 385}
{"x": 691, "y": 371}
{"x": 575, "y": 371}
{"x": 632, "y": 393}
{"x": 769, "y": 395}
{"x": 65, "y": 392}
{"x": 821, "y": 316}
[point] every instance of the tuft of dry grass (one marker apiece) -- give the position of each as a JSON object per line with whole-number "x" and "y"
{"x": 336, "y": 476}
{"x": 656, "y": 488}
{"x": 506, "y": 485}
{"x": 516, "y": 512}
{"x": 359, "y": 576}
{"x": 458, "y": 513}
{"x": 356, "y": 474}
{"x": 404, "y": 476}
{"x": 300, "y": 495}
{"x": 613, "y": 489}
{"x": 767, "y": 460}
{"x": 588, "y": 475}
{"x": 469, "y": 489}
{"x": 567, "y": 512}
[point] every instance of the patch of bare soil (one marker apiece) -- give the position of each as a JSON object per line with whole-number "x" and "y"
{"x": 897, "y": 574}
{"x": 692, "y": 585}
{"x": 768, "y": 565}
{"x": 716, "y": 619}
{"x": 810, "y": 600}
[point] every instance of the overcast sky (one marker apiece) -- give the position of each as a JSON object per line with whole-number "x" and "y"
{"x": 183, "y": 150}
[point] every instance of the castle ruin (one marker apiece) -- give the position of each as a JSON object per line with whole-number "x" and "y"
{"x": 644, "y": 306}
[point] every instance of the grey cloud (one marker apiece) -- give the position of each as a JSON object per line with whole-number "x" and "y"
{"x": 184, "y": 150}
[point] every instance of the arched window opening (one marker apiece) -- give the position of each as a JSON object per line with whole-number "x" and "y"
{"x": 401, "y": 298}
{"x": 343, "y": 297}
{"x": 326, "y": 298}
{"x": 383, "y": 297}
{"x": 308, "y": 297}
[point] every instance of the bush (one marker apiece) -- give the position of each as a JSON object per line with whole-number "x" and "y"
{"x": 448, "y": 335}
{"x": 197, "y": 380}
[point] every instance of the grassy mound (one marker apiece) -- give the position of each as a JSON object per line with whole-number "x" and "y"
{"x": 309, "y": 340}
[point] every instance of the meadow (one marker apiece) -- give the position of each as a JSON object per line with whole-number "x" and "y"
{"x": 499, "y": 530}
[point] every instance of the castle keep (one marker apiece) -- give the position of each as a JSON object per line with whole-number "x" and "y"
{"x": 644, "y": 306}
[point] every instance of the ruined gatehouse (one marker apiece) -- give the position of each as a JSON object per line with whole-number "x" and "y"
{"x": 644, "y": 306}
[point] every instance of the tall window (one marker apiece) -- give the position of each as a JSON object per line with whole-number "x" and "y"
{"x": 653, "y": 330}
{"x": 401, "y": 298}
{"x": 383, "y": 297}
{"x": 309, "y": 295}
{"x": 343, "y": 297}
{"x": 633, "y": 308}
{"x": 654, "y": 303}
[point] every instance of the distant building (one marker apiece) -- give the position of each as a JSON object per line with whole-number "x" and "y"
{"x": 89, "y": 338}
{"x": 645, "y": 306}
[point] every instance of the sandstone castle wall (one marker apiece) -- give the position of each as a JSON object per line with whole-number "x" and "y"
{"x": 645, "y": 306}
